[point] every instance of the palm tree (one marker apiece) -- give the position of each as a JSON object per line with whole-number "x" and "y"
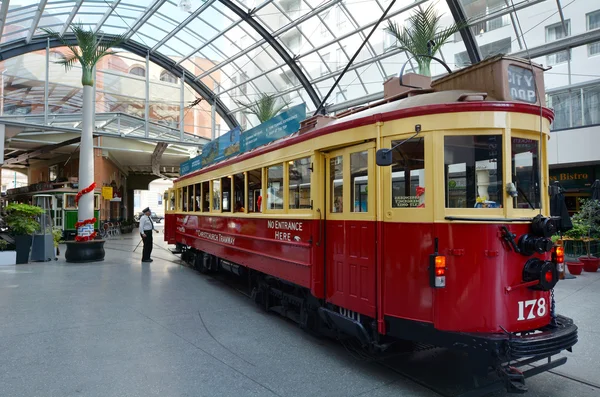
{"x": 422, "y": 29}
{"x": 265, "y": 108}
{"x": 88, "y": 51}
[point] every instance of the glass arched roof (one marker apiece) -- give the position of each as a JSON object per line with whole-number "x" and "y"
{"x": 294, "y": 49}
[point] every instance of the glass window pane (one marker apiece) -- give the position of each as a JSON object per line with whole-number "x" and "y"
{"x": 190, "y": 198}
{"x": 526, "y": 172}
{"x": 408, "y": 173}
{"x": 275, "y": 187}
{"x": 216, "y": 191}
{"x": 336, "y": 183}
{"x": 255, "y": 190}
{"x": 226, "y": 192}
{"x": 238, "y": 191}
{"x": 185, "y": 198}
{"x": 179, "y": 199}
{"x": 197, "y": 190}
{"x": 359, "y": 176}
{"x": 206, "y": 196}
{"x": 473, "y": 171}
{"x": 299, "y": 176}
{"x": 172, "y": 200}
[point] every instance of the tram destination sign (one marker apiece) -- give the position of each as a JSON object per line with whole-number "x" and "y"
{"x": 234, "y": 142}
{"x": 521, "y": 83}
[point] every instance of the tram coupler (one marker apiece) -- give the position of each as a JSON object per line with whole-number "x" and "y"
{"x": 514, "y": 379}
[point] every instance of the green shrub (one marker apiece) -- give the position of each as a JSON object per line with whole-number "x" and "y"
{"x": 21, "y": 218}
{"x": 57, "y": 235}
{"x": 3, "y": 245}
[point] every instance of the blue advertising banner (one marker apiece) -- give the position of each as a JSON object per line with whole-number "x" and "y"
{"x": 285, "y": 123}
{"x": 233, "y": 143}
{"x": 225, "y": 146}
{"x": 191, "y": 165}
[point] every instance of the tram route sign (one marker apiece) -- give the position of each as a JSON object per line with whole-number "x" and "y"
{"x": 283, "y": 124}
{"x": 521, "y": 83}
{"x": 191, "y": 165}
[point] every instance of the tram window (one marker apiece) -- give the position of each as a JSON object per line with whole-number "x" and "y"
{"x": 190, "y": 198}
{"x": 255, "y": 190}
{"x": 184, "y": 206}
{"x": 238, "y": 191}
{"x": 206, "y": 196}
{"x": 172, "y": 200}
{"x": 179, "y": 199}
{"x": 473, "y": 171}
{"x": 359, "y": 174}
{"x": 226, "y": 194}
{"x": 275, "y": 187}
{"x": 197, "y": 191}
{"x": 299, "y": 181}
{"x": 336, "y": 183}
{"x": 408, "y": 173}
{"x": 216, "y": 195}
{"x": 525, "y": 168}
{"x": 70, "y": 201}
{"x": 96, "y": 202}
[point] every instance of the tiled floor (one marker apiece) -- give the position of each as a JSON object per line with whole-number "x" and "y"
{"x": 122, "y": 328}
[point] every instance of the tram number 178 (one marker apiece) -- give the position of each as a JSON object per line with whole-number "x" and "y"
{"x": 533, "y": 308}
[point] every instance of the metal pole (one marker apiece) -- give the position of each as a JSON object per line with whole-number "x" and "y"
{"x": 2, "y": 96}
{"x": 46, "y": 88}
{"x": 181, "y": 107}
{"x": 147, "y": 112}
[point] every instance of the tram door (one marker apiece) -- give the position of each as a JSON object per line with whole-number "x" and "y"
{"x": 350, "y": 228}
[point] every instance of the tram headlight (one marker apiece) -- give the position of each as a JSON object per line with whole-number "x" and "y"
{"x": 529, "y": 244}
{"x": 543, "y": 227}
{"x": 545, "y": 272}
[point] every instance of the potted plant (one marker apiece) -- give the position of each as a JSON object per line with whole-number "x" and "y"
{"x": 423, "y": 36}
{"x": 265, "y": 108}
{"x": 22, "y": 224}
{"x": 7, "y": 257}
{"x": 586, "y": 229}
{"x": 57, "y": 235}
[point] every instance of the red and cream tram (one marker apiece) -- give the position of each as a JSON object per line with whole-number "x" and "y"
{"x": 446, "y": 241}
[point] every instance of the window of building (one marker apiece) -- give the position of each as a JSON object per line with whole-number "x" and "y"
{"x": 292, "y": 40}
{"x": 289, "y": 78}
{"x": 243, "y": 85}
{"x": 556, "y": 32}
{"x": 336, "y": 184}
{"x": 255, "y": 190}
{"x": 473, "y": 171}
{"x": 168, "y": 77}
{"x": 569, "y": 111}
{"x": 299, "y": 183}
{"x": 216, "y": 195}
{"x": 593, "y": 20}
{"x": 226, "y": 194}
{"x": 160, "y": 199}
{"x": 340, "y": 57}
{"x": 197, "y": 197}
{"x": 359, "y": 180}
{"x": 408, "y": 173}
{"x": 205, "y": 196}
{"x": 275, "y": 187}
{"x": 239, "y": 192}
{"x": 138, "y": 71}
{"x": 594, "y": 49}
{"x": 53, "y": 172}
{"x": 70, "y": 201}
{"x": 526, "y": 172}
{"x": 591, "y": 105}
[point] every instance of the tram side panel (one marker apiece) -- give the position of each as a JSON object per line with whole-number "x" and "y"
{"x": 484, "y": 289}
{"x": 406, "y": 290}
{"x": 170, "y": 228}
{"x": 281, "y": 248}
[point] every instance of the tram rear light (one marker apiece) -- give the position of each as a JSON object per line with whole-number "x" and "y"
{"x": 437, "y": 271}
{"x": 558, "y": 257}
{"x": 549, "y": 277}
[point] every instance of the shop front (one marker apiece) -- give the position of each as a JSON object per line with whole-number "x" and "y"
{"x": 577, "y": 182}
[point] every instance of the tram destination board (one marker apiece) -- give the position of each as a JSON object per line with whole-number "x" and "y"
{"x": 521, "y": 83}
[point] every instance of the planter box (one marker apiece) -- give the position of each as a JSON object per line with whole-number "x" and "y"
{"x": 8, "y": 258}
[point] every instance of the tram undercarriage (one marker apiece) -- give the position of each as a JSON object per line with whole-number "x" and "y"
{"x": 504, "y": 354}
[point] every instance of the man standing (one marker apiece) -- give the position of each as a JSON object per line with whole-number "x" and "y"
{"x": 146, "y": 229}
